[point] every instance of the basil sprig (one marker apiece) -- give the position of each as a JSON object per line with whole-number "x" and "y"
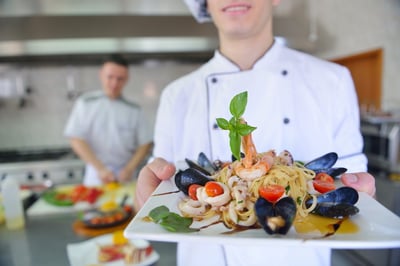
{"x": 236, "y": 128}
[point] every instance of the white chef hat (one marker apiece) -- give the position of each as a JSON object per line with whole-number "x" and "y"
{"x": 198, "y": 8}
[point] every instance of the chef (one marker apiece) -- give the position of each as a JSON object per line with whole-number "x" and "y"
{"x": 107, "y": 131}
{"x": 297, "y": 102}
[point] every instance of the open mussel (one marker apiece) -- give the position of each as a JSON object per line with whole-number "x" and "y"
{"x": 275, "y": 218}
{"x": 338, "y": 203}
{"x": 196, "y": 166}
{"x": 324, "y": 164}
{"x": 185, "y": 178}
{"x": 204, "y": 164}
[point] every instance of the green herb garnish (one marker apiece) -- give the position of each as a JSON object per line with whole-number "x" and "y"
{"x": 236, "y": 127}
{"x": 171, "y": 221}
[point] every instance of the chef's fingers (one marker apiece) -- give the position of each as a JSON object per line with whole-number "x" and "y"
{"x": 363, "y": 182}
{"x": 150, "y": 177}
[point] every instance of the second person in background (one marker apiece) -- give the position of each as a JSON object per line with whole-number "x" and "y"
{"x": 106, "y": 130}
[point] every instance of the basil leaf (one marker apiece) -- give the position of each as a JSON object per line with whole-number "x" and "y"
{"x": 171, "y": 221}
{"x": 244, "y": 129}
{"x": 223, "y": 123}
{"x": 158, "y": 213}
{"x": 238, "y": 104}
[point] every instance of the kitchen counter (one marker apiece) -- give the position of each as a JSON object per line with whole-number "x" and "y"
{"x": 43, "y": 242}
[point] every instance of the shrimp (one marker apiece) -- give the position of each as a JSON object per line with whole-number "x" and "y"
{"x": 251, "y": 166}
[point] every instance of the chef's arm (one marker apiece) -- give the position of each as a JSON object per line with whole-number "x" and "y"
{"x": 137, "y": 158}
{"x": 83, "y": 150}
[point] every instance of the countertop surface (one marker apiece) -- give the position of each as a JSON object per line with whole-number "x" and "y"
{"x": 43, "y": 242}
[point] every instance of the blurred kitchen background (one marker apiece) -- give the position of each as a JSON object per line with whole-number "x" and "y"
{"x": 51, "y": 50}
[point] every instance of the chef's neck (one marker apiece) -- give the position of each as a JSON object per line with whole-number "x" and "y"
{"x": 245, "y": 52}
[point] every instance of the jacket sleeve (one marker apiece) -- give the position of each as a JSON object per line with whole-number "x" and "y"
{"x": 347, "y": 134}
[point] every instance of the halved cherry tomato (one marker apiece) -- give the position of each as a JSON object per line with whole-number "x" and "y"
{"x": 324, "y": 177}
{"x": 193, "y": 191}
{"x": 323, "y": 183}
{"x": 213, "y": 189}
{"x": 271, "y": 192}
{"x": 323, "y": 186}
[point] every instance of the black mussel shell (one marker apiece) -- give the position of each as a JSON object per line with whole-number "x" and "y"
{"x": 337, "y": 211}
{"x": 338, "y": 203}
{"x": 333, "y": 172}
{"x": 324, "y": 162}
{"x": 206, "y": 163}
{"x": 194, "y": 165}
{"x": 275, "y": 218}
{"x": 183, "y": 179}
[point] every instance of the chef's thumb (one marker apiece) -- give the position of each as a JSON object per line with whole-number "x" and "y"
{"x": 363, "y": 182}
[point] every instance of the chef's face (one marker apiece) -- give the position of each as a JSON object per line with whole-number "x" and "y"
{"x": 113, "y": 78}
{"x": 241, "y": 19}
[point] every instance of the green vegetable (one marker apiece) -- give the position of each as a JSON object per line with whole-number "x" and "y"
{"x": 171, "y": 221}
{"x": 236, "y": 128}
{"x": 53, "y": 197}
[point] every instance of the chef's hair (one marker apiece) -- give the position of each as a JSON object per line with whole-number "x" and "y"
{"x": 117, "y": 59}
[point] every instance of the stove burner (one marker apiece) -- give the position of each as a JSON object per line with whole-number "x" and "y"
{"x": 13, "y": 156}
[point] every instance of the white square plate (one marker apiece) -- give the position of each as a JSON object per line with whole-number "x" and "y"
{"x": 378, "y": 227}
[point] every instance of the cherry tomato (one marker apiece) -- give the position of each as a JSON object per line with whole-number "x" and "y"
{"x": 324, "y": 177}
{"x": 213, "y": 189}
{"x": 149, "y": 249}
{"x": 271, "y": 192}
{"x": 128, "y": 208}
{"x": 323, "y": 186}
{"x": 193, "y": 191}
{"x": 323, "y": 183}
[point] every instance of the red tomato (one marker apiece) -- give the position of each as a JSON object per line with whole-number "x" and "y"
{"x": 271, "y": 192}
{"x": 193, "y": 190}
{"x": 324, "y": 177}
{"x": 323, "y": 183}
{"x": 92, "y": 195}
{"x": 78, "y": 192}
{"x": 213, "y": 189}
{"x": 149, "y": 249}
{"x": 323, "y": 186}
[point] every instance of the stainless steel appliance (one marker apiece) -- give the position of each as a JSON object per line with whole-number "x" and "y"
{"x": 382, "y": 143}
{"x": 34, "y": 167}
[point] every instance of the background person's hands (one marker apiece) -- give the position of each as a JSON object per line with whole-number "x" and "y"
{"x": 125, "y": 175}
{"x": 106, "y": 175}
{"x": 363, "y": 182}
{"x": 150, "y": 177}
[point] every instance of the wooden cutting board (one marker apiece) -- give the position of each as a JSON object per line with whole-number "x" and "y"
{"x": 81, "y": 229}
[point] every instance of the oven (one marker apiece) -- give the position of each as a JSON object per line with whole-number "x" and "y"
{"x": 35, "y": 167}
{"x": 382, "y": 143}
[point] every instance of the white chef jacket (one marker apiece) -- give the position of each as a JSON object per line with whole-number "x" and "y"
{"x": 113, "y": 128}
{"x": 297, "y": 102}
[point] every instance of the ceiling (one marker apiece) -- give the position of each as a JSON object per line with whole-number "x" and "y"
{"x": 139, "y": 28}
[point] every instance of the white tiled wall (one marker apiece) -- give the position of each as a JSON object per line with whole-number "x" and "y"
{"x": 41, "y": 121}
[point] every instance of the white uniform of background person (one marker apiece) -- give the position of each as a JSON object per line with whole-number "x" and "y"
{"x": 113, "y": 128}
{"x": 297, "y": 102}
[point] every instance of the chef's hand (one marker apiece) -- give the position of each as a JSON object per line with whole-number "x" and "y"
{"x": 363, "y": 182}
{"x": 125, "y": 175}
{"x": 106, "y": 175}
{"x": 149, "y": 177}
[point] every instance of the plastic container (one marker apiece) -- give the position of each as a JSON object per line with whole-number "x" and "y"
{"x": 12, "y": 204}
